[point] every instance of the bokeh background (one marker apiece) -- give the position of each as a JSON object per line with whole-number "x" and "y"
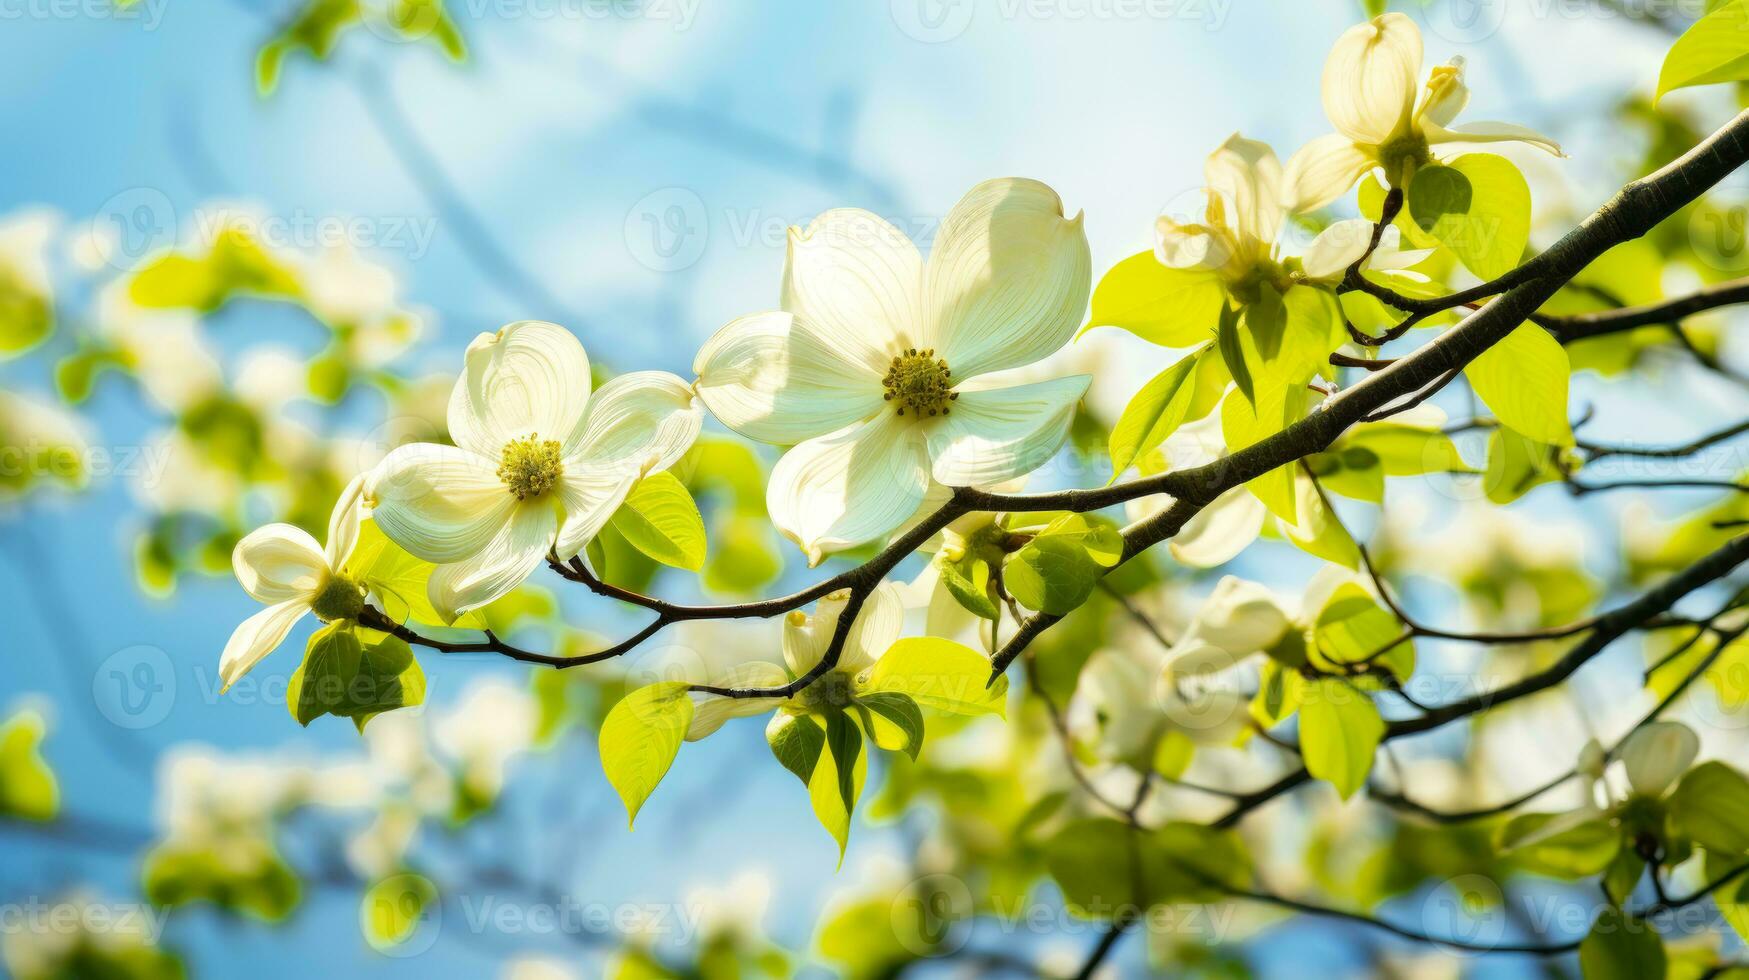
{"x": 627, "y": 170}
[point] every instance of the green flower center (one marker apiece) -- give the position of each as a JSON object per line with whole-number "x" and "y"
{"x": 831, "y": 691}
{"x": 921, "y": 382}
{"x": 1402, "y": 156}
{"x": 530, "y": 467}
{"x": 340, "y": 598}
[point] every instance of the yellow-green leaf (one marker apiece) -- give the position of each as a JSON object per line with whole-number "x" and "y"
{"x": 1340, "y": 729}
{"x": 640, "y": 738}
{"x": 1184, "y": 392}
{"x": 939, "y": 674}
{"x": 661, "y": 520}
{"x": 1715, "y": 49}
{"x": 1477, "y": 205}
{"x": 1169, "y": 307}
{"x": 837, "y": 778}
{"x": 1523, "y": 379}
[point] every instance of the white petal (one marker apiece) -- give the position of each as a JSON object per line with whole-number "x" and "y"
{"x": 1371, "y": 78}
{"x": 776, "y": 378}
{"x": 1008, "y": 280}
{"x": 531, "y": 378}
{"x": 643, "y": 420}
{"x": 709, "y": 711}
{"x": 1181, "y": 246}
{"x": 876, "y": 629}
{"x": 999, "y": 434}
{"x": 1245, "y": 178}
{"x": 1220, "y": 531}
{"x": 859, "y": 281}
{"x": 1657, "y": 755}
{"x": 1492, "y": 132}
{"x": 1323, "y": 171}
{"x": 1336, "y": 248}
{"x": 343, "y": 524}
{"x": 257, "y": 637}
{"x": 589, "y": 498}
{"x": 1447, "y": 95}
{"x": 279, "y": 562}
{"x": 440, "y": 503}
{"x": 1239, "y": 617}
{"x": 850, "y": 487}
{"x": 514, "y": 552}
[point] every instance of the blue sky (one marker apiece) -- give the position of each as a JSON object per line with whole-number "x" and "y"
{"x": 630, "y": 176}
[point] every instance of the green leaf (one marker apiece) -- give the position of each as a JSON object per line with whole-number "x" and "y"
{"x": 797, "y": 742}
{"x": 400, "y": 580}
{"x": 660, "y": 519}
{"x": 1352, "y": 626}
{"x": 27, "y": 315}
{"x": 1104, "y": 866}
{"x": 1060, "y": 567}
{"x": 28, "y": 790}
{"x": 1406, "y": 450}
{"x": 1340, "y": 729}
{"x": 1242, "y": 426}
{"x": 893, "y": 720}
{"x": 936, "y": 673}
{"x": 1622, "y": 947}
{"x": 640, "y": 738}
{"x": 240, "y": 873}
{"x": 837, "y": 778}
{"x": 1711, "y": 806}
{"x": 354, "y": 673}
{"x": 1230, "y": 340}
{"x": 1578, "y": 851}
{"x": 1715, "y": 49}
{"x": 1184, "y": 392}
{"x": 1517, "y": 465}
{"x": 1477, "y": 205}
{"x": 1319, "y": 531}
{"x": 1523, "y": 378}
{"x": 968, "y": 581}
{"x": 392, "y": 909}
{"x": 1169, "y": 307}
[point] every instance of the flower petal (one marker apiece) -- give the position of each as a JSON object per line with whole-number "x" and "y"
{"x": 1371, "y": 76}
{"x": 774, "y": 377}
{"x": 1245, "y": 181}
{"x": 1492, "y": 132}
{"x": 343, "y": 524}
{"x": 876, "y": 629}
{"x": 1323, "y": 171}
{"x": 531, "y": 378}
{"x": 1189, "y": 247}
{"x": 502, "y": 565}
{"x": 709, "y": 711}
{"x": 1239, "y": 617}
{"x": 849, "y": 487}
{"x": 999, "y": 434}
{"x": 1220, "y": 531}
{"x": 1657, "y": 755}
{"x": 642, "y": 420}
{"x": 440, "y": 503}
{"x": 279, "y": 562}
{"x": 1447, "y": 95}
{"x": 1336, "y": 248}
{"x": 859, "y": 281}
{"x": 258, "y": 636}
{"x": 589, "y": 498}
{"x": 1008, "y": 281}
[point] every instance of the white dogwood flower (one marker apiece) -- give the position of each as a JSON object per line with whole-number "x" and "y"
{"x": 538, "y": 464}
{"x": 871, "y": 368}
{"x": 281, "y": 565}
{"x": 1369, "y": 89}
{"x": 1237, "y": 239}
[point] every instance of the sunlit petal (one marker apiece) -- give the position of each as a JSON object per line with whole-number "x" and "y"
{"x": 999, "y": 434}
{"x": 531, "y": 378}
{"x": 258, "y": 636}
{"x": 343, "y": 523}
{"x": 279, "y": 562}
{"x": 1323, "y": 171}
{"x": 710, "y": 711}
{"x": 1247, "y": 179}
{"x": 440, "y": 503}
{"x": 850, "y": 487}
{"x": 1492, "y": 132}
{"x": 643, "y": 420}
{"x": 1657, "y": 755}
{"x": 776, "y": 378}
{"x": 1336, "y": 248}
{"x": 506, "y": 560}
{"x": 1371, "y": 77}
{"x": 1008, "y": 280}
{"x": 589, "y": 498}
{"x": 1221, "y": 530}
{"x": 858, "y": 281}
